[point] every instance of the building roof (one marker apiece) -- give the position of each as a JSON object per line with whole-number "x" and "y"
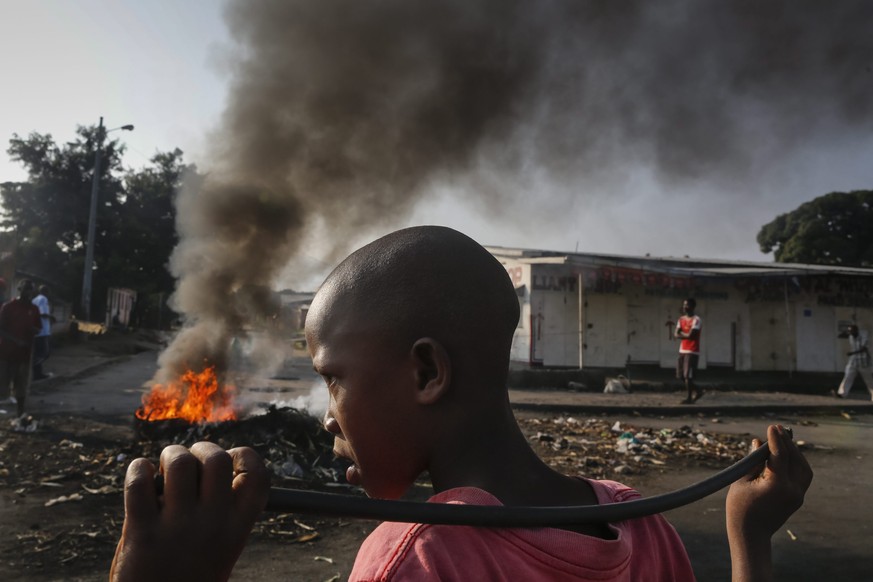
{"x": 685, "y": 266}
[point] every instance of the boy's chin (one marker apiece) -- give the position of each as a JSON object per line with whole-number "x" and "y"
{"x": 382, "y": 492}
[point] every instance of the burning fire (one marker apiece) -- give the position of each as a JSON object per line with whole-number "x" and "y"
{"x": 195, "y": 397}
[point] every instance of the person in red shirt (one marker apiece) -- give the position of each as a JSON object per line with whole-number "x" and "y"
{"x": 412, "y": 336}
{"x": 688, "y": 330}
{"x": 19, "y": 324}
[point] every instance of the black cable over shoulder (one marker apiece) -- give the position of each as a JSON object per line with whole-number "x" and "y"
{"x": 332, "y": 504}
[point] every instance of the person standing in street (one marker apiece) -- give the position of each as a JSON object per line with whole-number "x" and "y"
{"x": 19, "y": 324}
{"x": 859, "y": 362}
{"x": 688, "y": 330}
{"x": 41, "y": 344}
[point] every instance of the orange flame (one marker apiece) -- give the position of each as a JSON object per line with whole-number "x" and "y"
{"x": 195, "y": 397}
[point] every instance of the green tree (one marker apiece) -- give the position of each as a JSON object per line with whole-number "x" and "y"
{"x": 834, "y": 229}
{"x": 145, "y": 234}
{"x": 47, "y": 215}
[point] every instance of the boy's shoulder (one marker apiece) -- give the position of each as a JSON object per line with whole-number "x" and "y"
{"x": 430, "y": 552}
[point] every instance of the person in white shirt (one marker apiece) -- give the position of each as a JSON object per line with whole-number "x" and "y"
{"x": 41, "y": 345}
{"x": 859, "y": 362}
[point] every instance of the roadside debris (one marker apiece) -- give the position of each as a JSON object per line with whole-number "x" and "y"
{"x": 89, "y": 469}
{"x": 293, "y": 443}
{"x": 596, "y": 448}
{"x": 63, "y": 499}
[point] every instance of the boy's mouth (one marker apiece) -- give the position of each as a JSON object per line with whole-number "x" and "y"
{"x": 353, "y": 474}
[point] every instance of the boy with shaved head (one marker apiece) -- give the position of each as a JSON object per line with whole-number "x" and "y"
{"x": 412, "y": 336}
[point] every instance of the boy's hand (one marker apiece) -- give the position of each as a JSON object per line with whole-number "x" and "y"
{"x": 759, "y": 503}
{"x": 197, "y": 530}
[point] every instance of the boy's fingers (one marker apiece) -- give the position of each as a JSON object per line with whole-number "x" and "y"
{"x": 180, "y": 469}
{"x": 776, "y": 442}
{"x": 801, "y": 472}
{"x": 786, "y": 458}
{"x": 755, "y": 471}
{"x": 251, "y": 482}
{"x": 216, "y": 473}
{"x": 140, "y": 499}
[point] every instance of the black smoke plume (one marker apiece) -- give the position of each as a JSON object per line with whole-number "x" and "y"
{"x": 343, "y": 114}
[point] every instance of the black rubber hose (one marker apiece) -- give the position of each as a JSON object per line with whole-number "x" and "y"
{"x": 332, "y": 504}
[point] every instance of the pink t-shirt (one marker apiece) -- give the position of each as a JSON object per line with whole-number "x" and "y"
{"x": 643, "y": 549}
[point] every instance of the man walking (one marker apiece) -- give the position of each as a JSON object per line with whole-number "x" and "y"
{"x": 19, "y": 324}
{"x": 41, "y": 344}
{"x": 688, "y": 330}
{"x": 859, "y": 362}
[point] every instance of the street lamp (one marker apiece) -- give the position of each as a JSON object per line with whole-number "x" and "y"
{"x": 92, "y": 220}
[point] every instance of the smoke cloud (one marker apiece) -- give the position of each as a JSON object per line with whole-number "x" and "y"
{"x": 343, "y": 116}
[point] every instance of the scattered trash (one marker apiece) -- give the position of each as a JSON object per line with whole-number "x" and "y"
{"x": 70, "y": 444}
{"x": 600, "y": 449}
{"x": 323, "y": 559}
{"x": 577, "y": 386}
{"x": 289, "y": 468}
{"x": 64, "y": 499}
{"x": 617, "y": 385}
{"x": 791, "y": 535}
{"x": 293, "y": 443}
{"x": 105, "y": 490}
{"x": 25, "y": 423}
{"x": 846, "y": 415}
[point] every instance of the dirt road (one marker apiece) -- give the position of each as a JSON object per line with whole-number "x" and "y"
{"x": 83, "y": 444}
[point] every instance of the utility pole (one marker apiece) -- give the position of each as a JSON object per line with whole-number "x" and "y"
{"x": 92, "y": 219}
{"x": 92, "y": 227}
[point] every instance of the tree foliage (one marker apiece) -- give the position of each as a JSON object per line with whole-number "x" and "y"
{"x": 47, "y": 215}
{"x": 834, "y": 229}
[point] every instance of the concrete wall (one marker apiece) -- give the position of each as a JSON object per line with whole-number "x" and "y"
{"x": 776, "y": 325}
{"x": 521, "y": 345}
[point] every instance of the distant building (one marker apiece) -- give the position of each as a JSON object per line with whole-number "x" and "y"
{"x": 293, "y": 308}
{"x": 593, "y": 310}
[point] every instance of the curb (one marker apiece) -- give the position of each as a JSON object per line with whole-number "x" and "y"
{"x": 743, "y": 410}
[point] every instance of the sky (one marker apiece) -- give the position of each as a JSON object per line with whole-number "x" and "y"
{"x": 156, "y": 65}
{"x": 664, "y": 162}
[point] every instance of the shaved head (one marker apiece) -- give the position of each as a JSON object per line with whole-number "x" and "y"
{"x": 426, "y": 281}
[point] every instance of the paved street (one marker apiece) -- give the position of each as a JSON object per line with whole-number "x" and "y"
{"x": 829, "y": 537}
{"x": 86, "y": 379}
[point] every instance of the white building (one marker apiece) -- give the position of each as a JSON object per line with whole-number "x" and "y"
{"x": 584, "y": 310}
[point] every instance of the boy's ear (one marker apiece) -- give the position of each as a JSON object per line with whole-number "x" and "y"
{"x": 433, "y": 369}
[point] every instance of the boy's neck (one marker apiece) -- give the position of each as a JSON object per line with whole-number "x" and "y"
{"x": 495, "y": 456}
{"x": 499, "y": 460}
